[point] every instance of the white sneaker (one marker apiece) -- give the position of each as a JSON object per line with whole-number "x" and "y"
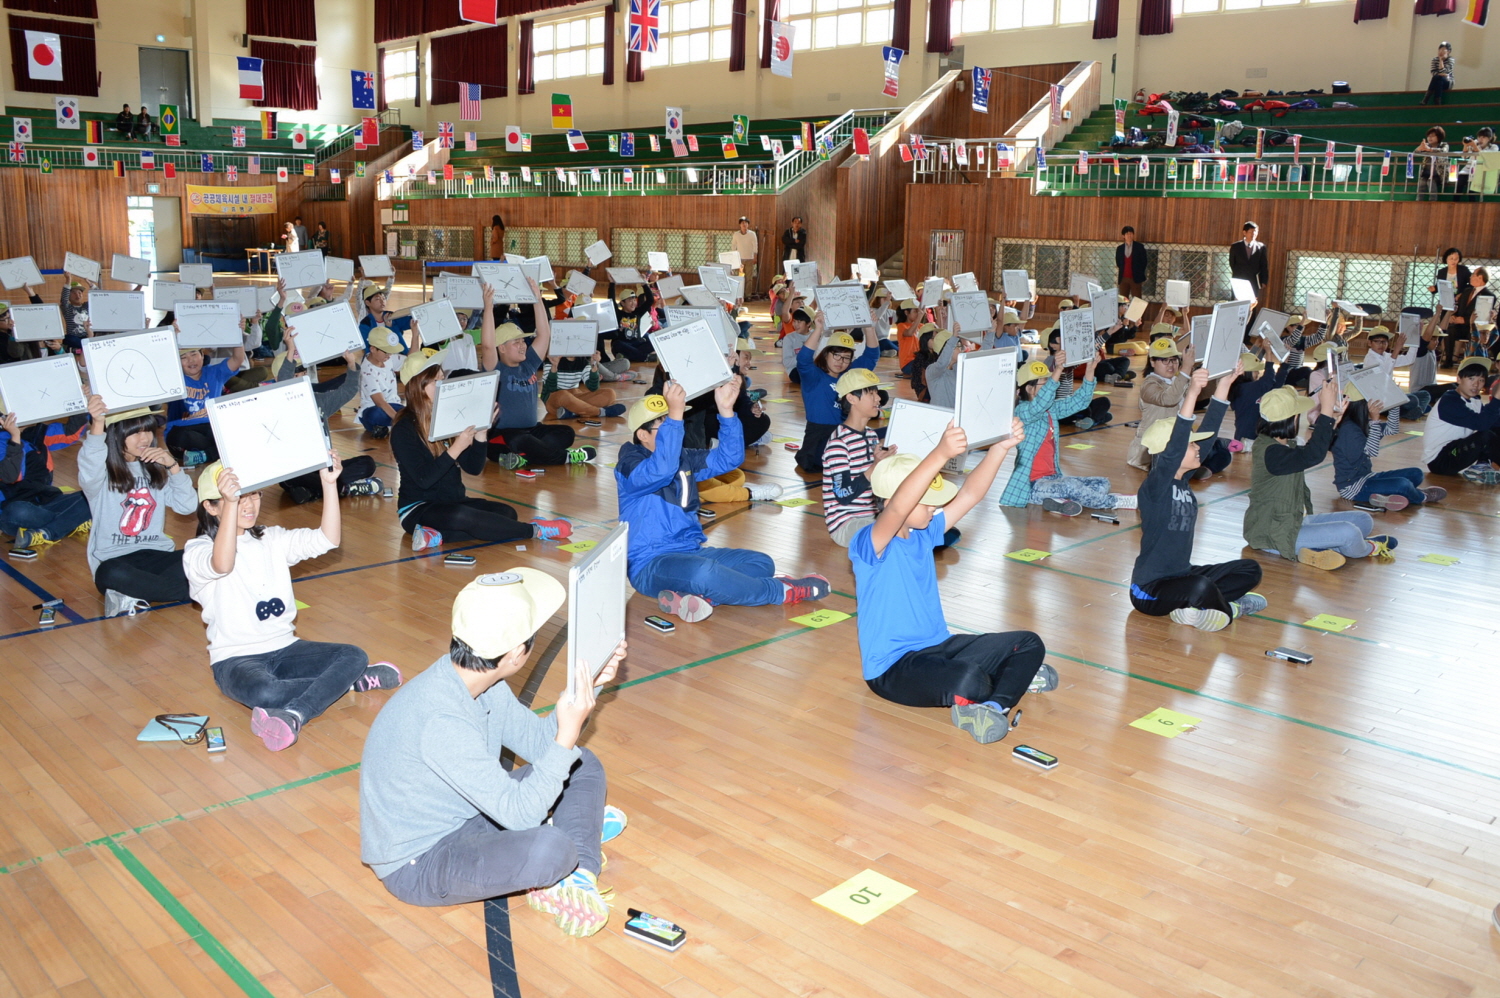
{"x": 760, "y": 492}
{"x": 116, "y": 603}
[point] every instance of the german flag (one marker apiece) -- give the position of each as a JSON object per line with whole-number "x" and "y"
{"x": 120, "y": 168}
{"x": 1476, "y": 12}
{"x": 562, "y": 111}
{"x": 268, "y": 125}
{"x": 94, "y": 132}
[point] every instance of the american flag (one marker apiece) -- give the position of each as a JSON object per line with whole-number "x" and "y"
{"x": 445, "y": 135}
{"x": 237, "y": 136}
{"x": 468, "y": 102}
{"x": 645, "y": 25}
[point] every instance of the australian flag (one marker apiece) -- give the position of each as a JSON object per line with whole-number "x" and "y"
{"x": 362, "y": 85}
{"x": 445, "y": 135}
{"x": 645, "y": 25}
{"x": 627, "y": 143}
{"x": 206, "y": 163}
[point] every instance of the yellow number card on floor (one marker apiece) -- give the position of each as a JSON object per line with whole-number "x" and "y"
{"x": 1079, "y": 446}
{"x": 864, "y": 896}
{"x": 578, "y": 547}
{"x": 793, "y": 503}
{"x": 783, "y": 440}
{"x": 1439, "y": 559}
{"x": 821, "y": 618}
{"x": 1029, "y": 554}
{"x": 776, "y": 400}
{"x": 1167, "y": 723}
{"x": 301, "y": 605}
{"x": 1328, "y": 622}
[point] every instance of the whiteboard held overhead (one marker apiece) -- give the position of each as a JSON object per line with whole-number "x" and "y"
{"x": 82, "y": 266}
{"x": 580, "y": 284}
{"x": 916, "y": 427}
{"x": 112, "y": 311}
{"x": 659, "y": 262}
{"x": 130, "y": 270}
{"x": 436, "y": 321}
{"x": 1017, "y": 285}
{"x": 463, "y": 292}
{"x": 597, "y": 252}
{"x": 463, "y": 402}
{"x": 20, "y": 272}
{"x": 932, "y": 292}
{"x": 729, "y": 331}
{"x": 508, "y": 280}
{"x": 625, "y": 275}
{"x": 693, "y": 354}
{"x": 324, "y": 332}
{"x": 302, "y": 270}
{"x": 1226, "y": 337}
{"x": 166, "y": 294}
{"x": 378, "y": 265}
{"x": 985, "y": 395}
{"x": 36, "y": 322}
{"x": 1104, "y": 304}
{"x": 244, "y": 298}
{"x": 339, "y": 268}
{"x": 1076, "y": 326}
{"x": 199, "y": 275}
{"x": 43, "y": 389}
{"x": 969, "y": 312}
{"x": 267, "y": 435}
{"x": 1179, "y": 294}
{"x": 844, "y": 306}
{"x": 597, "y": 594}
{"x": 209, "y": 325}
{"x": 900, "y": 290}
{"x": 574, "y": 338}
{"x": 134, "y": 369}
{"x": 600, "y": 313}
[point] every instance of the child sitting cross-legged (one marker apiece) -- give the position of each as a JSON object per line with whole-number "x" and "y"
{"x": 1357, "y": 441}
{"x": 656, "y": 478}
{"x": 906, "y": 652}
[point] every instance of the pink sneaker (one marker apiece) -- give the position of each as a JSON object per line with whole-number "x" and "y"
{"x": 276, "y": 728}
{"x": 1236, "y": 446}
{"x": 686, "y": 606}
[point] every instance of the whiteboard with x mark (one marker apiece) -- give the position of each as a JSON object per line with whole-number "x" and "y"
{"x": 42, "y": 389}
{"x": 985, "y": 395}
{"x": 508, "y": 280}
{"x": 844, "y": 306}
{"x": 303, "y": 270}
{"x": 129, "y": 370}
{"x": 693, "y": 354}
{"x": 209, "y": 325}
{"x": 462, "y": 403}
{"x": 597, "y": 593}
{"x": 267, "y": 435}
{"x": 324, "y": 332}
{"x": 574, "y": 338}
{"x": 36, "y": 322}
{"x": 916, "y": 427}
{"x": 112, "y": 311}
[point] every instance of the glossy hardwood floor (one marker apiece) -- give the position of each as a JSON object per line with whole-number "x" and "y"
{"x": 1326, "y": 830}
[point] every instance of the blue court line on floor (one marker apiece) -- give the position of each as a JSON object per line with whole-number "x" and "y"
{"x": 72, "y": 615}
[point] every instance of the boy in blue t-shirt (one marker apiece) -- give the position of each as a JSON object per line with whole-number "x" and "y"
{"x": 187, "y": 432}
{"x": 904, "y": 645}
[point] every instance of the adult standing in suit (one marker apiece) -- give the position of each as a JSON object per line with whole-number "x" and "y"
{"x": 1130, "y": 262}
{"x": 1249, "y": 261}
{"x": 794, "y": 242}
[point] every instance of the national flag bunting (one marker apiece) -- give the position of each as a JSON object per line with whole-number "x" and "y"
{"x": 627, "y": 175}
{"x": 644, "y": 22}
{"x": 66, "y": 109}
{"x": 22, "y": 128}
{"x": 299, "y": 137}
{"x": 447, "y": 171}
{"x": 416, "y": 141}
{"x": 43, "y": 54}
{"x": 309, "y": 170}
{"x": 861, "y": 142}
{"x": 479, "y": 11}
{"x": 168, "y": 121}
{"x": 576, "y": 141}
{"x": 891, "y": 58}
{"x": 726, "y": 144}
{"x": 468, "y": 102}
{"x": 119, "y": 169}
{"x": 252, "y": 165}
{"x": 334, "y": 176}
{"x": 206, "y": 163}
{"x": 362, "y": 89}
{"x": 562, "y": 111}
{"x": 46, "y": 165}
{"x": 512, "y": 138}
{"x": 268, "y": 125}
{"x": 741, "y": 129}
{"x": 237, "y": 136}
{"x": 231, "y": 173}
{"x": 370, "y": 131}
{"x": 173, "y": 140}
{"x": 445, "y": 135}
{"x": 981, "y": 90}
{"x": 489, "y": 173}
{"x": 18, "y": 152}
{"x": 359, "y": 169}
{"x": 93, "y": 131}
{"x": 627, "y": 144}
{"x": 148, "y": 159}
{"x": 389, "y": 177}
{"x": 252, "y": 81}
{"x": 1476, "y": 12}
{"x": 655, "y": 142}
{"x": 471, "y": 141}
{"x": 91, "y": 156}
{"x": 281, "y": 174}
{"x": 169, "y": 171}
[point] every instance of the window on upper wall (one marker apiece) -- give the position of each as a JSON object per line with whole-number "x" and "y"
{"x": 400, "y": 70}
{"x": 574, "y": 47}
{"x": 692, "y": 31}
{"x": 975, "y": 16}
{"x": 1215, "y": 6}
{"x": 827, "y": 24}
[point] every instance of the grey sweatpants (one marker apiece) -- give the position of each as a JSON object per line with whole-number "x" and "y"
{"x": 480, "y": 860}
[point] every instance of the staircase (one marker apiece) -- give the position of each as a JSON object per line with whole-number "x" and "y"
{"x": 895, "y": 267}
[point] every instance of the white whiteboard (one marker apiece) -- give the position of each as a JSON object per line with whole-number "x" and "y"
{"x": 265, "y": 298}
{"x": 82, "y": 266}
{"x": 900, "y": 290}
{"x": 597, "y": 593}
{"x": 1226, "y": 337}
{"x": 199, "y": 275}
{"x": 597, "y": 252}
{"x": 985, "y": 396}
{"x": 965, "y": 282}
{"x": 1179, "y": 294}
{"x": 731, "y": 259}
{"x": 574, "y": 338}
{"x": 932, "y": 292}
{"x": 730, "y": 289}
{"x": 1317, "y": 305}
{"x": 134, "y": 369}
{"x": 580, "y": 284}
{"x": 669, "y": 287}
{"x": 339, "y": 268}
{"x": 244, "y": 298}
{"x": 378, "y": 265}
{"x": 693, "y": 355}
{"x": 1198, "y": 334}
{"x": 112, "y": 311}
{"x": 1077, "y": 328}
{"x": 1270, "y": 324}
{"x": 130, "y": 269}
{"x": 658, "y": 262}
{"x": 267, "y": 435}
{"x": 1375, "y": 383}
{"x": 463, "y": 292}
{"x": 728, "y": 329}
{"x": 969, "y": 312}
{"x": 20, "y": 272}
{"x": 37, "y": 322}
{"x": 166, "y": 294}
{"x": 804, "y": 275}
{"x": 324, "y": 332}
{"x": 209, "y": 325}
{"x": 463, "y": 402}
{"x": 916, "y": 428}
{"x": 1017, "y": 285}
{"x": 1105, "y": 306}
{"x": 697, "y": 294}
{"x": 1242, "y": 289}
{"x": 600, "y": 313}
{"x": 538, "y": 268}
{"x": 508, "y": 280}
{"x": 436, "y": 321}
{"x": 40, "y": 390}
{"x": 625, "y": 275}
{"x": 302, "y": 270}
{"x": 1079, "y": 286}
{"x": 844, "y": 306}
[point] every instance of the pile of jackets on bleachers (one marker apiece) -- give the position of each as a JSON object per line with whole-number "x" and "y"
{"x": 1198, "y": 111}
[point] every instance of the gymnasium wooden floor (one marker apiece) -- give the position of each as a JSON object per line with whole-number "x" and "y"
{"x": 1326, "y": 830}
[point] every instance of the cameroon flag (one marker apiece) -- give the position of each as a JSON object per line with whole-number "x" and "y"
{"x": 562, "y": 111}
{"x": 308, "y": 170}
{"x": 94, "y": 132}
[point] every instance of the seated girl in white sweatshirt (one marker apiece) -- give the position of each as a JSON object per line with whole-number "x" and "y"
{"x": 240, "y": 573}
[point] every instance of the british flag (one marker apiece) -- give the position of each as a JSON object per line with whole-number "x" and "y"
{"x": 645, "y": 25}
{"x": 237, "y": 136}
{"x": 18, "y": 152}
{"x": 445, "y": 135}
{"x": 468, "y": 102}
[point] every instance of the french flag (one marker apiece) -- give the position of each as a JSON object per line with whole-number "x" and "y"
{"x": 252, "y": 83}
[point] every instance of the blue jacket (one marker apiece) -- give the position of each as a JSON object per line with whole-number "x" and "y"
{"x": 818, "y": 400}
{"x": 659, "y": 494}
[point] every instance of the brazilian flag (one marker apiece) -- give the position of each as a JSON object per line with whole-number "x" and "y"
{"x": 168, "y": 120}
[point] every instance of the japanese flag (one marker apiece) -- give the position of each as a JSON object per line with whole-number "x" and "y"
{"x": 513, "y": 138}
{"x": 43, "y": 56}
{"x": 299, "y": 138}
{"x": 281, "y": 174}
{"x": 91, "y": 156}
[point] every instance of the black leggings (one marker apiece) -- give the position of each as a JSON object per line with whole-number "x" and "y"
{"x": 1098, "y": 411}
{"x": 469, "y": 520}
{"x": 1481, "y": 445}
{"x": 154, "y": 576}
{"x": 633, "y": 348}
{"x": 977, "y": 667}
{"x": 539, "y": 444}
{"x": 306, "y": 488}
{"x": 814, "y": 439}
{"x": 200, "y": 436}
{"x": 1205, "y": 587}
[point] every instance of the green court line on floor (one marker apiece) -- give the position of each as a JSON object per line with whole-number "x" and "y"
{"x": 189, "y": 923}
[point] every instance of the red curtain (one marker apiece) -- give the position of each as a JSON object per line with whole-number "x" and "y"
{"x": 739, "y": 14}
{"x": 397, "y": 19}
{"x": 470, "y": 57}
{"x": 770, "y": 11}
{"x": 1156, "y": 17}
{"x": 1106, "y": 18}
{"x": 1436, "y": 6}
{"x": 609, "y": 46}
{"x": 80, "y": 71}
{"x": 380, "y": 104}
{"x": 526, "y": 71}
{"x": 57, "y": 8}
{"x": 1371, "y": 10}
{"x": 900, "y": 28}
{"x": 635, "y": 69}
{"x": 408, "y": 18}
{"x": 940, "y": 25}
{"x": 290, "y": 79}
{"x": 281, "y": 19}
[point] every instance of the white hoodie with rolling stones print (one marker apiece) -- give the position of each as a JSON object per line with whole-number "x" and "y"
{"x": 126, "y": 522}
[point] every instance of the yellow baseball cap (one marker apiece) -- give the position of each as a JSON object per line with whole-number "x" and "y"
{"x": 1375, "y": 331}
{"x": 1164, "y": 347}
{"x": 120, "y": 417}
{"x": 508, "y": 331}
{"x": 385, "y": 339}
{"x": 1284, "y": 403}
{"x": 1320, "y": 352}
{"x": 887, "y": 476}
{"x": 856, "y": 379}
{"x": 627, "y": 291}
{"x": 1352, "y": 393}
{"x": 1159, "y": 434}
{"x": 1483, "y": 362}
{"x": 1252, "y": 363}
{"x": 843, "y": 340}
{"x": 208, "y": 482}
{"x": 924, "y": 328}
{"x": 940, "y": 339}
{"x": 373, "y": 290}
{"x": 4, "y": 307}
{"x": 1012, "y": 317}
{"x": 907, "y": 303}
{"x": 1163, "y": 329}
{"x": 420, "y": 360}
{"x": 644, "y": 411}
{"x": 1035, "y": 371}
{"x": 1296, "y": 319}
{"x": 1065, "y": 304}
{"x": 499, "y": 612}
{"x": 743, "y": 343}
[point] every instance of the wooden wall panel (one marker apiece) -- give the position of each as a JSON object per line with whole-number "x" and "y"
{"x": 1013, "y": 90}
{"x": 1006, "y": 208}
